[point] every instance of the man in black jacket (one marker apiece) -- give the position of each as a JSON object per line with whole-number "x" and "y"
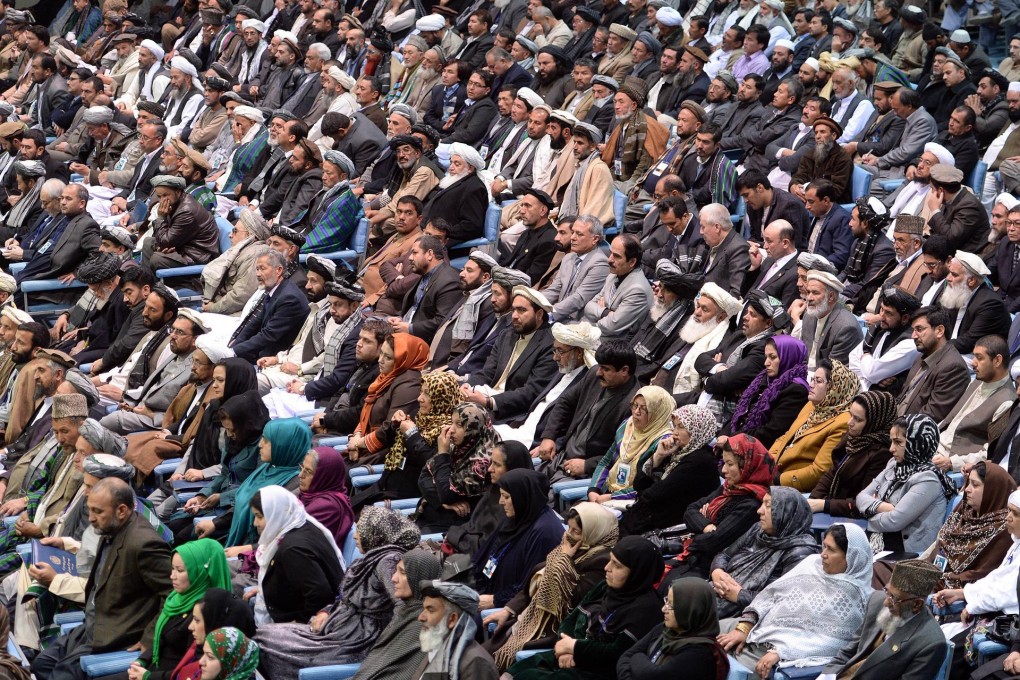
{"x": 468, "y": 124}
{"x": 341, "y": 416}
{"x": 435, "y": 297}
{"x": 275, "y": 320}
{"x": 760, "y": 196}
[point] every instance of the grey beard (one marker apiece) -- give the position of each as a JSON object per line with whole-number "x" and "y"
{"x": 818, "y": 311}
{"x": 692, "y": 330}
{"x": 955, "y": 297}
{"x": 888, "y": 622}
{"x": 449, "y": 180}
{"x": 658, "y": 309}
{"x": 822, "y": 152}
{"x": 573, "y": 363}
{"x": 431, "y": 639}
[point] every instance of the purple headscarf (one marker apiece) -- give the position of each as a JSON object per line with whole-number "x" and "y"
{"x": 792, "y": 369}
{"x": 326, "y": 499}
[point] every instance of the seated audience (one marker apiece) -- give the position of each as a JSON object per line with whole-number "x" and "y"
{"x": 939, "y": 375}
{"x": 228, "y": 653}
{"x": 323, "y": 491}
{"x": 979, "y": 311}
{"x": 276, "y": 317}
{"x": 882, "y": 360}
{"x": 829, "y": 330}
{"x": 626, "y": 295}
{"x": 219, "y": 608}
{"x": 229, "y": 280}
{"x": 871, "y": 252}
{"x": 448, "y": 633}
{"x": 184, "y": 233}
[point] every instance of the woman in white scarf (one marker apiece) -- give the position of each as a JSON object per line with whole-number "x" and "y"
{"x": 810, "y": 612}
{"x": 280, "y": 514}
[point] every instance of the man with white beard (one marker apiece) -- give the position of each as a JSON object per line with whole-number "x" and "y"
{"x": 462, "y": 198}
{"x": 657, "y": 338}
{"x": 910, "y": 196}
{"x": 830, "y": 330}
{"x": 899, "y": 636}
{"x": 979, "y": 311}
{"x": 448, "y": 632}
{"x": 705, "y": 329}
{"x": 186, "y": 96}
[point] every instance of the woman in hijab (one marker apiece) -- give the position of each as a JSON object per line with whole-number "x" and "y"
{"x": 767, "y": 551}
{"x": 402, "y": 358}
{"x": 412, "y": 441}
{"x": 681, "y": 470}
{"x": 397, "y": 652}
{"x": 229, "y": 655}
{"x": 812, "y": 611}
{"x": 10, "y": 667}
{"x": 863, "y": 453}
{"x": 685, "y": 645}
{"x": 218, "y": 609}
{"x": 485, "y": 518}
{"x": 776, "y": 395}
{"x": 300, "y": 566}
{"x": 282, "y": 448}
{"x": 453, "y": 480}
{"x": 719, "y": 519}
{"x": 194, "y": 568}
{"x": 570, "y": 570}
{"x": 242, "y": 420}
{"x": 612, "y": 616}
{"x": 804, "y": 453}
{"x": 323, "y": 485}
{"x": 636, "y": 439}
{"x": 525, "y": 536}
{"x": 905, "y": 504}
{"x": 345, "y": 631}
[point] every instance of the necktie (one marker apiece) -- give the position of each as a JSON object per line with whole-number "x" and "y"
{"x": 1016, "y": 256}
{"x": 816, "y": 231}
{"x": 573, "y": 277}
{"x": 254, "y": 313}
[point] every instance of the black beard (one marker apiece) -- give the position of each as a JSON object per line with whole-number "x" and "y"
{"x": 1014, "y": 115}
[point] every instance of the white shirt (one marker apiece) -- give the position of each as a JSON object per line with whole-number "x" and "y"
{"x": 997, "y": 591}
{"x": 525, "y": 434}
{"x": 996, "y": 146}
{"x": 872, "y": 369}
{"x": 858, "y": 119}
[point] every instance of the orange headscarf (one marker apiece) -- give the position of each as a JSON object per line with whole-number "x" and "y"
{"x": 409, "y": 354}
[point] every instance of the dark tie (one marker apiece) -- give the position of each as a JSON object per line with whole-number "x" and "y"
{"x": 253, "y": 315}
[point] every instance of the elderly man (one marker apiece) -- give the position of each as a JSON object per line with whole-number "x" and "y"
{"x": 956, "y": 213}
{"x": 184, "y": 233}
{"x": 919, "y": 129}
{"x": 888, "y": 351}
{"x": 618, "y": 60}
{"x": 332, "y": 216}
{"x": 907, "y": 269}
{"x": 977, "y": 309}
{"x": 827, "y": 161}
{"x": 186, "y": 95}
{"x": 830, "y": 330}
{"x": 106, "y": 143}
{"x": 637, "y": 139}
{"x": 276, "y": 318}
{"x": 582, "y": 272}
{"x": 626, "y": 295}
{"x": 657, "y": 336}
{"x": 461, "y": 198}
{"x": 131, "y": 191}
{"x": 911, "y": 196}
{"x": 727, "y": 260}
{"x": 447, "y": 637}
{"x": 91, "y": 337}
{"x": 229, "y": 280}
{"x": 413, "y": 175}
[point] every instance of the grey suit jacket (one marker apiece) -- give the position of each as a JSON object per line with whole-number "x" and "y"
{"x": 914, "y": 652}
{"x": 721, "y": 113}
{"x": 841, "y": 334}
{"x": 362, "y": 143}
{"x": 164, "y": 384}
{"x": 920, "y": 129}
{"x": 626, "y": 303}
{"x": 568, "y": 304}
{"x": 730, "y": 264}
{"x": 789, "y": 164}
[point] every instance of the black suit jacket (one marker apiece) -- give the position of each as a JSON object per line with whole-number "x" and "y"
{"x": 434, "y": 114}
{"x": 785, "y": 206}
{"x": 533, "y": 252}
{"x": 985, "y": 315}
{"x": 52, "y": 96}
{"x": 998, "y": 449}
{"x": 544, "y": 420}
{"x": 474, "y": 52}
{"x": 472, "y": 122}
{"x": 462, "y": 205}
{"x": 79, "y": 240}
{"x": 515, "y": 76}
{"x": 1006, "y": 275}
{"x": 734, "y": 380}
{"x": 695, "y": 93}
{"x": 963, "y": 221}
{"x": 782, "y": 286}
{"x": 529, "y": 376}
{"x": 141, "y": 179}
{"x": 330, "y": 384}
{"x": 440, "y": 299}
{"x": 276, "y": 325}
{"x": 836, "y": 239}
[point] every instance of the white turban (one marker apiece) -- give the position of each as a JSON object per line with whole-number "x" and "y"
{"x": 215, "y": 351}
{"x": 431, "y": 22}
{"x": 667, "y": 16}
{"x": 582, "y": 335}
{"x": 8, "y": 284}
{"x": 941, "y": 152}
{"x": 154, "y": 47}
{"x": 254, "y": 23}
{"x": 188, "y": 69}
{"x": 1008, "y": 200}
{"x": 1014, "y": 86}
{"x": 972, "y": 263}
{"x": 468, "y": 154}
{"x": 339, "y": 75}
{"x": 249, "y": 112}
{"x": 726, "y": 302}
{"x": 16, "y": 315}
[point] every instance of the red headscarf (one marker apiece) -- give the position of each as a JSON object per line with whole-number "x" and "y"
{"x": 757, "y": 469}
{"x": 409, "y": 354}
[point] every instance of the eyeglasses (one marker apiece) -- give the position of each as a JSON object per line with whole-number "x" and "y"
{"x": 557, "y": 352}
{"x": 926, "y": 162}
{"x": 306, "y": 471}
{"x": 638, "y": 408}
{"x": 930, "y": 266}
{"x": 817, "y": 381}
{"x": 1013, "y": 223}
{"x": 898, "y": 600}
{"x": 666, "y": 605}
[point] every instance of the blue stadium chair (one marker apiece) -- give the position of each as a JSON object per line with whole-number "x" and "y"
{"x": 735, "y": 155}
{"x": 525, "y": 653}
{"x": 860, "y": 182}
{"x": 339, "y": 672}
{"x": 738, "y": 215}
{"x": 490, "y": 230}
{"x": 951, "y": 505}
{"x": 186, "y": 294}
{"x": 805, "y": 672}
{"x": 400, "y": 503}
{"x": 891, "y": 185}
{"x": 43, "y": 286}
{"x": 363, "y": 481}
{"x": 354, "y": 252}
{"x": 821, "y": 521}
{"x": 350, "y": 550}
{"x": 976, "y": 181}
{"x": 619, "y": 212}
{"x": 100, "y": 665}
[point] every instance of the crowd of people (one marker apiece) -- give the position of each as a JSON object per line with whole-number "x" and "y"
{"x": 735, "y": 385}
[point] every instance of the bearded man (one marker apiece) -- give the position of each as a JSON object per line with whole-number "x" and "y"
{"x": 827, "y": 161}
{"x": 447, "y": 636}
{"x": 977, "y": 309}
{"x": 911, "y": 196}
{"x": 186, "y": 96}
{"x": 462, "y": 198}
{"x": 830, "y": 330}
{"x": 657, "y": 338}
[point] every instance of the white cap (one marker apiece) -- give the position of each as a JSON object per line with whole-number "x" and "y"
{"x": 1008, "y": 200}
{"x": 940, "y": 152}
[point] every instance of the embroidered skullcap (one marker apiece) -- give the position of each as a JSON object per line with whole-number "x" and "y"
{"x": 667, "y": 16}
{"x": 960, "y": 36}
{"x": 625, "y": 32}
{"x": 909, "y": 224}
{"x": 98, "y": 267}
{"x": 321, "y": 266}
{"x": 340, "y": 160}
{"x": 213, "y": 17}
{"x": 288, "y": 234}
{"x": 788, "y": 44}
{"x": 826, "y": 279}
{"x": 345, "y": 290}
{"x": 30, "y": 169}
{"x": 69, "y": 406}
{"x": 430, "y": 22}
{"x": 722, "y": 298}
{"x": 468, "y": 154}
{"x": 537, "y": 298}
{"x": 215, "y": 351}
{"x": 171, "y": 181}
{"x": 483, "y": 259}
{"x": 98, "y": 115}
{"x": 915, "y": 577}
{"x": 509, "y": 278}
{"x": 972, "y": 263}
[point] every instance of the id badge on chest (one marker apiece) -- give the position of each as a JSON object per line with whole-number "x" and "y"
{"x": 484, "y": 151}
{"x": 673, "y": 361}
{"x": 623, "y": 473}
{"x": 618, "y": 168}
{"x": 490, "y": 567}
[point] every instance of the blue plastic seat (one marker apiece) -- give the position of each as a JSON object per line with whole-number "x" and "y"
{"x": 860, "y": 182}
{"x": 339, "y": 672}
{"x": 619, "y": 208}
{"x": 350, "y": 550}
{"x": 976, "y": 181}
{"x": 352, "y": 254}
{"x": 362, "y": 481}
{"x": 490, "y": 231}
{"x": 99, "y": 665}
{"x": 821, "y": 521}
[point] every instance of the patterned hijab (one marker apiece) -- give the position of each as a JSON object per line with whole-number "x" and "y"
{"x": 922, "y": 442}
{"x": 764, "y": 390}
{"x": 700, "y": 423}
{"x": 880, "y": 412}
{"x": 635, "y": 442}
{"x": 843, "y": 387}
{"x": 444, "y": 393}
{"x": 471, "y": 456}
{"x": 378, "y": 526}
{"x": 238, "y": 656}
{"x": 757, "y": 468}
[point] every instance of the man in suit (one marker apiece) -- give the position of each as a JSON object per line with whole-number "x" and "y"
{"x": 479, "y": 40}
{"x": 905, "y": 271}
{"x": 884, "y": 128}
{"x": 899, "y": 637}
{"x": 124, "y": 592}
{"x": 1005, "y": 450}
{"x": 582, "y": 423}
{"x": 151, "y": 137}
{"x": 581, "y": 274}
{"x": 145, "y": 412}
{"x": 60, "y": 242}
{"x": 343, "y": 409}
{"x": 957, "y": 212}
{"x": 784, "y": 154}
{"x": 939, "y": 376}
{"x": 50, "y": 91}
{"x": 360, "y": 140}
{"x": 919, "y": 129}
{"x": 626, "y": 295}
{"x": 276, "y": 318}
{"x": 535, "y": 248}
{"x": 709, "y": 175}
{"x": 762, "y": 198}
{"x": 774, "y": 272}
{"x": 830, "y": 330}
{"x": 435, "y": 297}
{"x": 978, "y": 310}
{"x": 1006, "y": 261}
{"x": 728, "y": 260}
{"x": 521, "y": 363}
{"x": 468, "y": 124}
{"x": 830, "y": 235}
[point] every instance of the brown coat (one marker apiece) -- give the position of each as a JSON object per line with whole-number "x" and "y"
{"x": 146, "y": 450}
{"x": 395, "y": 248}
{"x": 801, "y": 461}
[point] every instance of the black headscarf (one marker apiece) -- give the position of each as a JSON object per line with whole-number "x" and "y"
{"x": 516, "y": 454}
{"x": 628, "y": 608}
{"x": 221, "y": 609}
{"x": 249, "y": 415}
{"x": 240, "y": 378}
{"x": 529, "y": 491}
{"x": 695, "y": 614}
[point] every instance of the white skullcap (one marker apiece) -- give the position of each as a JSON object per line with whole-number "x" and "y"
{"x": 812, "y": 62}
{"x": 1008, "y": 200}
{"x": 339, "y": 75}
{"x": 1014, "y": 498}
{"x": 788, "y": 44}
{"x": 430, "y": 22}
{"x": 468, "y": 154}
{"x": 826, "y": 279}
{"x": 1014, "y": 86}
{"x": 774, "y": 4}
{"x": 582, "y": 335}
{"x": 215, "y": 351}
{"x": 940, "y": 152}
{"x": 154, "y": 47}
{"x": 8, "y": 284}
{"x": 530, "y": 96}
{"x": 721, "y": 297}
{"x": 972, "y": 263}
{"x": 667, "y": 16}
{"x": 253, "y": 23}
{"x": 249, "y": 112}
{"x": 321, "y": 50}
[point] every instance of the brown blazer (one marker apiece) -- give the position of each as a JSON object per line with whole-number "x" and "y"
{"x": 801, "y": 461}
{"x": 396, "y": 248}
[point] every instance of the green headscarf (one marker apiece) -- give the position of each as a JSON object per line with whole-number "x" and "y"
{"x": 207, "y": 568}
{"x": 290, "y": 439}
{"x": 238, "y": 656}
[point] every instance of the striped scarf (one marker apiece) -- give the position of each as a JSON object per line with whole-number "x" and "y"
{"x": 204, "y": 195}
{"x": 859, "y": 256}
{"x": 244, "y": 158}
{"x": 332, "y": 355}
{"x": 335, "y": 224}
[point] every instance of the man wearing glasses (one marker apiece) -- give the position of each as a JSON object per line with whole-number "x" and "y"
{"x": 910, "y": 196}
{"x": 899, "y": 637}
